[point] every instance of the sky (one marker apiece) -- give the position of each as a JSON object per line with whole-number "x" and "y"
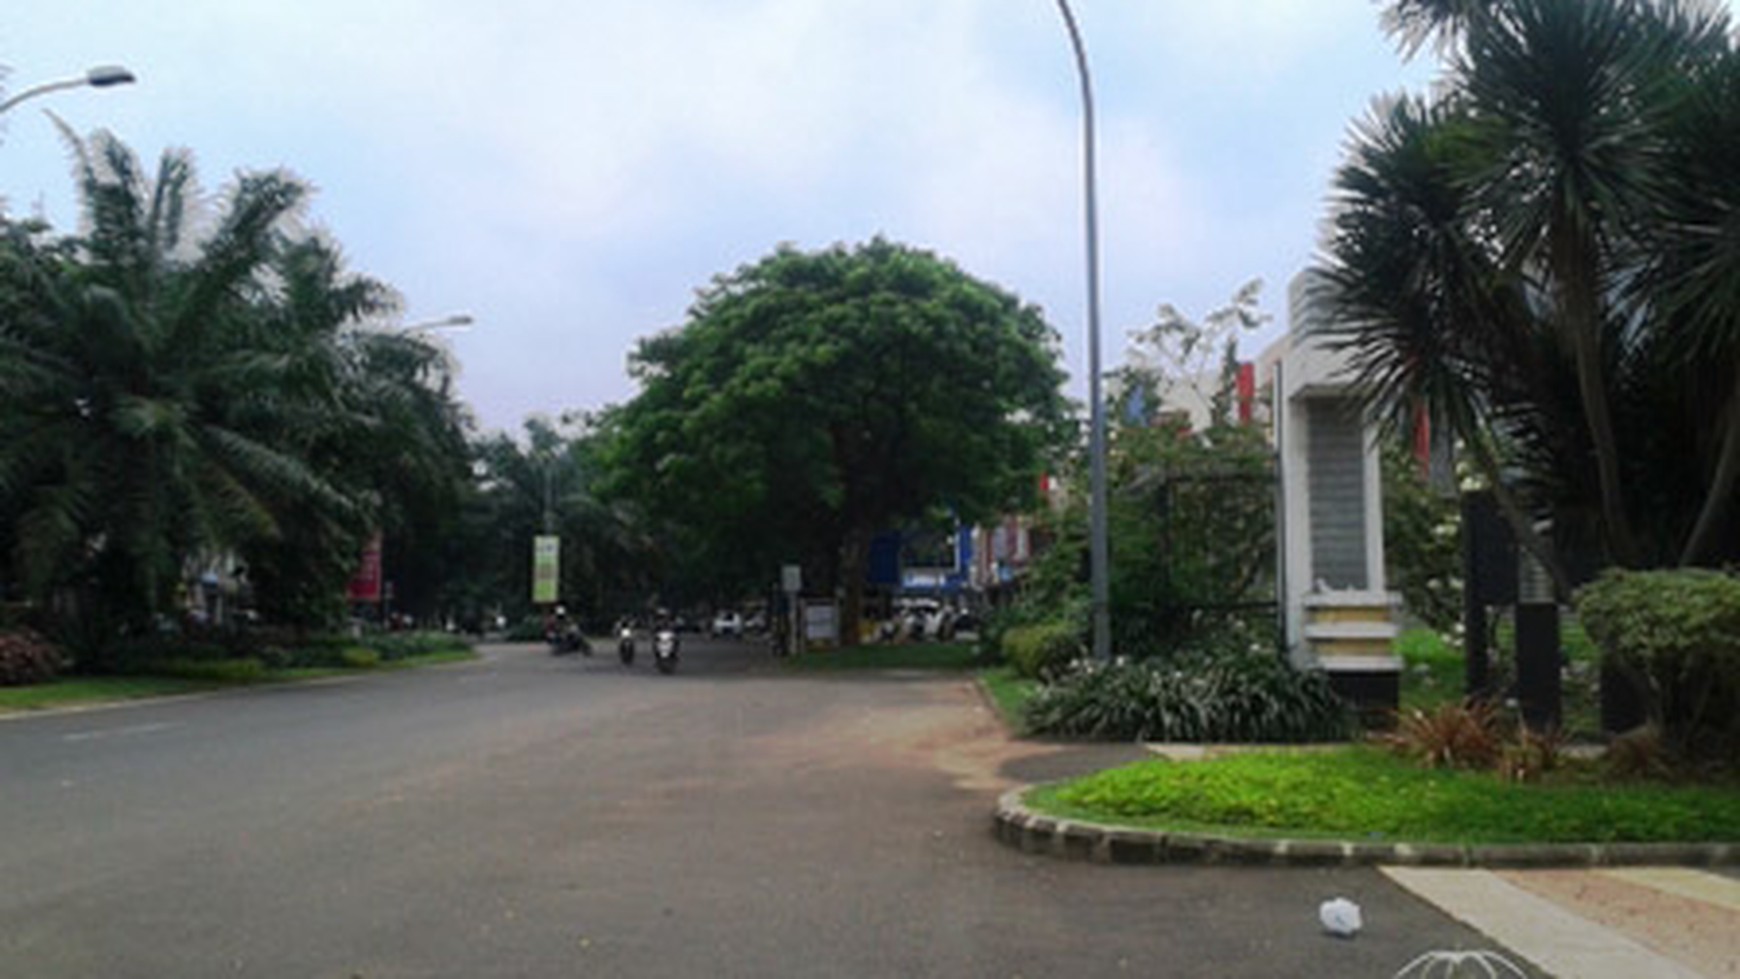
{"x": 570, "y": 172}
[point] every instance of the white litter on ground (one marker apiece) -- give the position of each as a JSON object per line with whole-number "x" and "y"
{"x": 1340, "y": 917}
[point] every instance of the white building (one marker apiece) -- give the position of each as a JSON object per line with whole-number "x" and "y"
{"x": 1338, "y": 611}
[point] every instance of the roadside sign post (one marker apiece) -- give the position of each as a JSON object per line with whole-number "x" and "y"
{"x": 791, "y": 581}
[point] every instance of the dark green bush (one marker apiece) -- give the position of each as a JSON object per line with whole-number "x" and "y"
{"x": 359, "y": 658}
{"x": 1231, "y": 697}
{"x": 528, "y": 629}
{"x": 245, "y": 670}
{"x": 394, "y": 646}
{"x": 27, "y": 658}
{"x": 1676, "y": 636}
{"x": 1043, "y": 649}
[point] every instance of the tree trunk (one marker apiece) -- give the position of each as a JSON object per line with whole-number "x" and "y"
{"x": 1719, "y": 497}
{"x": 854, "y": 557}
{"x": 1574, "y": 257}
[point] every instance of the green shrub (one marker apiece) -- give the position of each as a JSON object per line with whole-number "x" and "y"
{"x": 1041, "y": 650}
{"x": 26, "y": 658}
{"x": 1676, "y": 636}
{"x": 1239, "y": 697}
{"x": 239, "y": 671}
{"x": 528, "y": 629}
{"x": 359, "y": 658}
{"x": 395, "y": 646}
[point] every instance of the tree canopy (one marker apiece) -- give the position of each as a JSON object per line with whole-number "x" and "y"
{"x": 1543, "y": 256}
{"x": 811, "y": 400}
{"x": 172, "y": 389}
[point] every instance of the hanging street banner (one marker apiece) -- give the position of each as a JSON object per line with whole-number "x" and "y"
{"x": 365, "y": 585}
{"x": 546, "y": 568}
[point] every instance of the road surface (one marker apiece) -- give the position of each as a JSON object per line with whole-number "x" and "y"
{"x": 532, "y": 816}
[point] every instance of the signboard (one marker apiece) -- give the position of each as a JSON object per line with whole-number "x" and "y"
{"x": 791, "y": 579}
{"x": 821, "y": 623}
{"x": 365, "y": 585}
{"x": 546, "y": 568}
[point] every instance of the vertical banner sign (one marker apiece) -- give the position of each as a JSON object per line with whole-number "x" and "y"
{"x": 546, "y": 568}
{"x": 365, "y": 585}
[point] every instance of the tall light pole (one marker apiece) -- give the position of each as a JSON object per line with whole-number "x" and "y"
{"x": 457, "y": 321}
{"x": 1099, "y": 570}
{"x": 101, "y": 76}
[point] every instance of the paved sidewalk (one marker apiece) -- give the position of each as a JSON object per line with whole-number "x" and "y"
{"x": 1617, "y": 923}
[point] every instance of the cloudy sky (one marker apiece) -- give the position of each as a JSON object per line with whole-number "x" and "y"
{"x": 570, "y": 171}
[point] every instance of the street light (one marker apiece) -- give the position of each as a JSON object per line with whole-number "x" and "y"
{"x": 457, "y": 321}
{"x": 101, "y": 76}
{"x": 1099, "y": 573}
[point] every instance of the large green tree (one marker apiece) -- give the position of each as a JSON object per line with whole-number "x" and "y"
{"x": 168, "y": 394}
{"x": 1543, "y": 256}
{"x": 814, "y": 399}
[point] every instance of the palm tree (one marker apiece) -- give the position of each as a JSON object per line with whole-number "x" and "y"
{"x": 1513, "y": 257}
{"x": 169, "y": 395}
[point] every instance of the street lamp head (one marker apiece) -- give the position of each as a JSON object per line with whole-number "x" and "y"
{"x": 457, "y": 321}
{"x": 103, "y": 76}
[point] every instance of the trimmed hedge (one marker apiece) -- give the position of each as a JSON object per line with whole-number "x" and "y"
{"x": 1042, "y": 650}
{"x": 1676, "y": 636}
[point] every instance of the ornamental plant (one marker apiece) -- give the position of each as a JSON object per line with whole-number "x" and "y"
{"x": 27, "y": 658}
{"x": 1676, "y": 636}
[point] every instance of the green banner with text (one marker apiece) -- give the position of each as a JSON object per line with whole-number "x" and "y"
{"x": 546, "y": 568}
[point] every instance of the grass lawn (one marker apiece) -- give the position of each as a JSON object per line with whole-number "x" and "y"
{"x": 918, "y": 656}
{"x": 1434, "y": 672}
{"x": 1010, "y": 692}
{"x": 1368, "y": 793}
{"x": 93, "y": 690}
{"x": 85, "y": 691}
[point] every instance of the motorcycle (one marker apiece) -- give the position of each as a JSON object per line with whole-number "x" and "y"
{"x": 625, "y": 645}
{"x": 665, "y": 649}
{"x": 565, "y": 638}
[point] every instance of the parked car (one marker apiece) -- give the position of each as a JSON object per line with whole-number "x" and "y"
{"x": 726, "y": 624}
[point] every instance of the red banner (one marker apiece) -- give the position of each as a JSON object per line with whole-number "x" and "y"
{"x": 365, "y": 586}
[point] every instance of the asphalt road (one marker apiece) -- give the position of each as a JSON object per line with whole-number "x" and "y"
{"x": 532, "y": 816}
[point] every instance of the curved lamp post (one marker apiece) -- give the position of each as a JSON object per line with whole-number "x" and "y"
{"x": 102, "y": 76}
{"x": 456, "y": 321}
{"x": 1099, "y": 571}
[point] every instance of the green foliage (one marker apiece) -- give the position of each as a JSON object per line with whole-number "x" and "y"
{"x": 1434, "y": 670}
{"x": 1230, "y": 696}
{"x": 1042, "y": 650}
{"x": 609, "y": 560}
{"x": 812, "y": 400}
{"x": 1011, "y": 693}
{"x": 394, "y": 646}
{"x": 1538, "y": 256}
{"x": 27, "y": 658}
{"x": 359, "y": 658}
{"x": 1364, "y": 793}
{"x": 173, "y": 392}
{"x": 1191, "y": 510}
{"x": 1422, "y": 541}
{"x": 1676, "y": 634}
{"x": 77, "y": 691}
{"x": 219, "y": 671}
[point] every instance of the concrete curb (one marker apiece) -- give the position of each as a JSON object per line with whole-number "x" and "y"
{"x": 1032, "y": 832}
